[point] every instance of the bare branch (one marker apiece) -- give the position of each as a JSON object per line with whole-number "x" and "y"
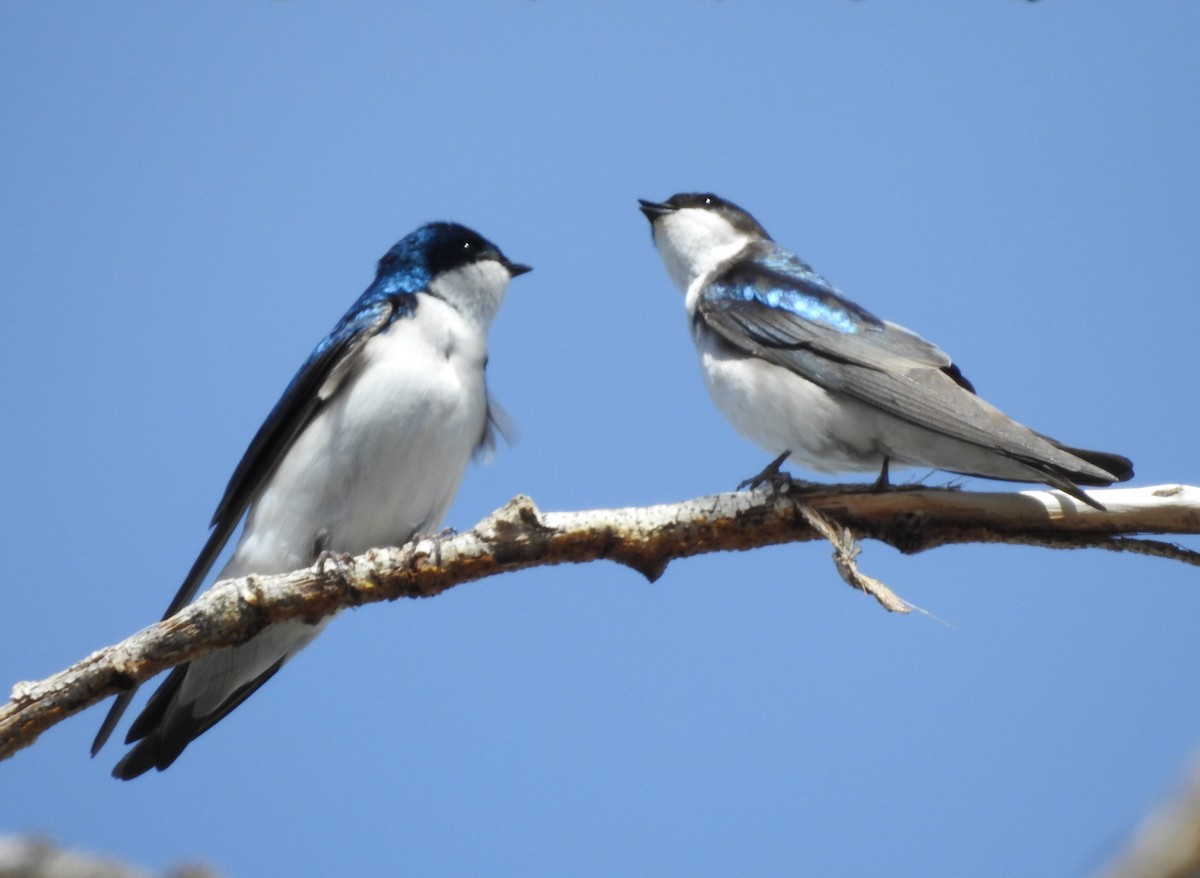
{"x": 648, "y": 538}
{"x": 35, "y": 857}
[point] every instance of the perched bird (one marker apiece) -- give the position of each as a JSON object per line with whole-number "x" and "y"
{"x": 801, "y": 370}
{"x": 366, "y": 448}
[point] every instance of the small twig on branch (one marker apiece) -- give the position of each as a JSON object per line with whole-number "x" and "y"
{"x": 845, "y": 550}
{"x": 644, "y": 538}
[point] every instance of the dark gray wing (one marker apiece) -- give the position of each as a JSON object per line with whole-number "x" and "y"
{"x": 779, "y": 310}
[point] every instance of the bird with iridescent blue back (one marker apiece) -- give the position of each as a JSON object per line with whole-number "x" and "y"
{"x": 805, "y": 373}
{"x": 366, "y": 447}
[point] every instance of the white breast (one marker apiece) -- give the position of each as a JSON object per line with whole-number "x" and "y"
{"x": 384, "y": 459}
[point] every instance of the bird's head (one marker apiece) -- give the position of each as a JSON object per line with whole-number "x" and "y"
{"x": 455, "y": 264}
{"x": 695, "y": 232}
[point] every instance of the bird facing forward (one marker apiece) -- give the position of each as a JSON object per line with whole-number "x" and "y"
{"x": 366, "y": 448}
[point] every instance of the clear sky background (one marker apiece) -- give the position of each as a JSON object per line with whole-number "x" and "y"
{"x": 192, "y": 195}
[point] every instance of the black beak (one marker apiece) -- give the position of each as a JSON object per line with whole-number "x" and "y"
{"x": 654, "y": 209}
{"x": 516, "y": 268}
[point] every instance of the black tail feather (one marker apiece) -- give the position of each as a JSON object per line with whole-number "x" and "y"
{"x": 164, "y": 729}
{"x": 1121, "y": 468}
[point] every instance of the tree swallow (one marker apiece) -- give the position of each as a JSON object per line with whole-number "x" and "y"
{"x": 366, "y": 448}
{"x": 801, "y": 370}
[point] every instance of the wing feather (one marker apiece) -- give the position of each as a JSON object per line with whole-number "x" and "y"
{"x": 325, "y": 370}
{"x": 786, "y": 314}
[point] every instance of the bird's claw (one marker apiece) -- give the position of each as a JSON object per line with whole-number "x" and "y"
{"x": 772, "y": 475}
{"x": 339, "y": 561}
{"x": 443, "y": 534}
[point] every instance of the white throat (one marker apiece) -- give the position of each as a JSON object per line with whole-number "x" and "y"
{"x": 692, "y": 242}
{"x": 474, "y": 290}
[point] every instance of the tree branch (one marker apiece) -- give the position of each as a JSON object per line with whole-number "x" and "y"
{"x": 36, "y": 857}
{"x": 646, "y": 539}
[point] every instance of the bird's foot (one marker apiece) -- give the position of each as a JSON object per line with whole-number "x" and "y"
{"x": 780, "y": 482}
{"x": 436, "y": 538}
{"x": 339, "y": 561}
{"x": 443, "y": 534}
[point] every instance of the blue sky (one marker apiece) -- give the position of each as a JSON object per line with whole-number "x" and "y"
{"x": 194, "y": 194}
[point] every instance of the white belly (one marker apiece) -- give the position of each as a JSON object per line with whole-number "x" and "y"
{"x": 379, "y": 464}
{"x": 780, "y": 411}
{"x": 384, "y": 459}
{"x": 827, "y": 432}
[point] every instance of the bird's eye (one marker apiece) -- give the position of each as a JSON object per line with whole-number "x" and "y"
{"x": 466, "y": 245}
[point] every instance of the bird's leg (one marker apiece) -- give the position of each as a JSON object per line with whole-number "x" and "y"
{"x": 323, "y": 557}
{"x": 770, "y": 475}
{"x": 437, "y": 539}
{"x": 882, "y": 482}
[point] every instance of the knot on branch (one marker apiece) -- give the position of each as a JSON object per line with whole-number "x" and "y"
{"x": 513, "y": 520}
{"x": 23, "y": 692}
{"x": 906, "y": 532}
{"x": 249, "y": 593}
{"x": 515, "y": 531}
